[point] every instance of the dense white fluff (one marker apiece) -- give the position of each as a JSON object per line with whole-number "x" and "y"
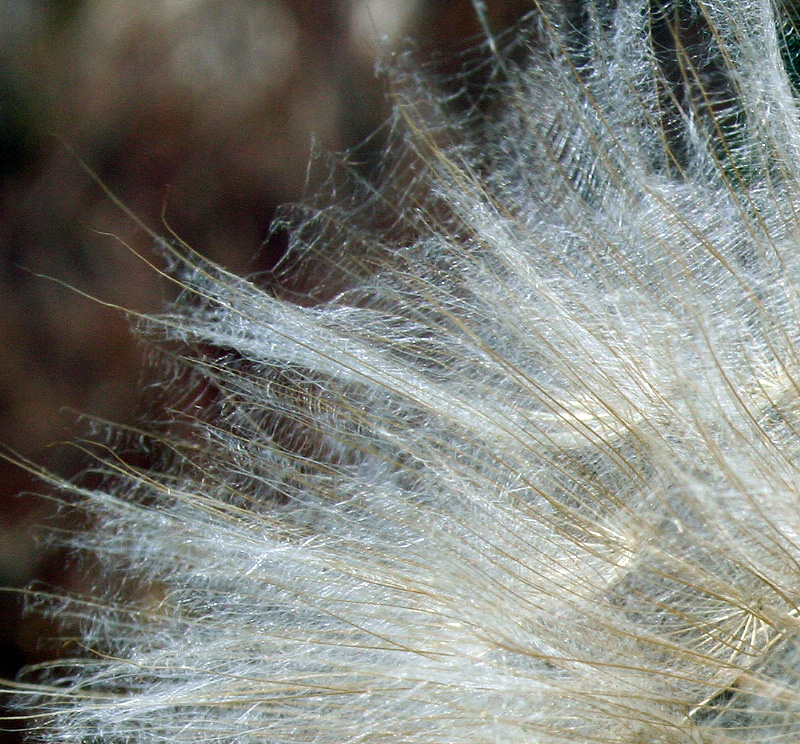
{"x": 535, "y": 475}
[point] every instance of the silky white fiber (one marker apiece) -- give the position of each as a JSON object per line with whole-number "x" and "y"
{"x": 529, "y": 469}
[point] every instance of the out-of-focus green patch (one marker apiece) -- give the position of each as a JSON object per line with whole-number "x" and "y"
{"x": 789, "y": 34}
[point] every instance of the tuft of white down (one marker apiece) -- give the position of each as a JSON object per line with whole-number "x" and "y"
{"x": 534, "y": 476}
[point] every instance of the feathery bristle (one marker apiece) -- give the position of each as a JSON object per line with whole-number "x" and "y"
{"x": 532, "y": 475}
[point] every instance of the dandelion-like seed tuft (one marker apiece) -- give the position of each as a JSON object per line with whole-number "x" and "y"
{"x": 531, "y": 473}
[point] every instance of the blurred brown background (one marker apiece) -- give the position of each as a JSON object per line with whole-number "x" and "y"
{"x": 201, "y": 110}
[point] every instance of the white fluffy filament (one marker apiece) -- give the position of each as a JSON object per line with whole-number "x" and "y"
{"x": 535, "y": 476}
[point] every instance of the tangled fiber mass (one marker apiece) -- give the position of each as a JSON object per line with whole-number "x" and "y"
{"x": 532, "y": 472}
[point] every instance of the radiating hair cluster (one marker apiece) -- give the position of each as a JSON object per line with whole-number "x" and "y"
{"x": 529, "y": 471}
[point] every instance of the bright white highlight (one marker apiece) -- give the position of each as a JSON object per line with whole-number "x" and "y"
{"x": 535, "y": 476}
